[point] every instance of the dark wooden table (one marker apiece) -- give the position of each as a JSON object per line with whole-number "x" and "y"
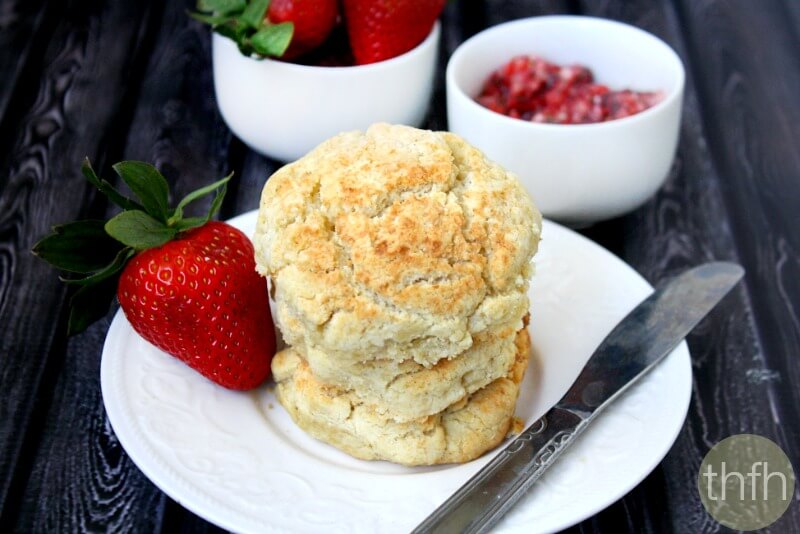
{"x": 132, "y": 80}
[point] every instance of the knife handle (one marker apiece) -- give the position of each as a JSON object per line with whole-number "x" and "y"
{"x": 483, "y": 500}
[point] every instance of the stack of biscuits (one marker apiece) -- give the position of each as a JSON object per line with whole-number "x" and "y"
{"x": 399, "y": 262}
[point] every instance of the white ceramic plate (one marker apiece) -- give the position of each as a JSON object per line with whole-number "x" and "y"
{"x": 237, "y": 459}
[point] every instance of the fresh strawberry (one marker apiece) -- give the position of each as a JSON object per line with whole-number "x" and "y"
{"x": 383, "y": 29}
{"x": 188, "y": 285}
{"x": 277, "y": 28}
{"x": 200, "y": 299}
{"x": 313, "y": 21}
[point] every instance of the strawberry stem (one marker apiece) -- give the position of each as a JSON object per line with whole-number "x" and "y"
{"x": 107, "y": 189}
{"x": 177, "y": 214}
{"x": 246, "y": 24}
{"x": 99, "y": 251}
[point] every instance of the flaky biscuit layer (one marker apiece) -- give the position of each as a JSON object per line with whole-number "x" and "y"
{"x": 408, "y": 390}
{"x": 395, "y": 243}
{"x": 459, "y": 433}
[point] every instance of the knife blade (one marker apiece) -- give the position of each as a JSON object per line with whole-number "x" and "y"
{"x": 636, "y": 345}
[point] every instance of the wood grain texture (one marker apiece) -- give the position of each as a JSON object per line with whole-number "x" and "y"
{"x": 19, "y": 19}
{"x": 132, "y": 79}
{"x": 459, "y": 22}
{"x": 251, "y": 173}
{"x": 688, "y": 223}
{"x": 752, "y": 115}
{"x": 497, "y": 11}
{"x": 90, "y": 52}
{"x": 81, "y": 479}
{"x": 176, "y": 125}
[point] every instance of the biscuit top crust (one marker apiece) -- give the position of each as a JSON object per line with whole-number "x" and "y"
{"x": 392, "y": 226}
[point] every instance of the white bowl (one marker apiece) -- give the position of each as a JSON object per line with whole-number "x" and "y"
{"x": 283, "y": 110}
{"x": 578, "y": 174}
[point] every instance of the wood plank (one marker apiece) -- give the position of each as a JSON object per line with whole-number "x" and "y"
{"x": 90, "y": 64}
{"x": 498, "y": 11}
{"x": 792, "y": 8}
{"x": 752, "y": 114}
{"x": 459, "y": 21}
{"x": 251, "y": 171}
{"x": 174, "y": 124}
{"x": 82, "y": 480}
{"x": 689, "y": 222}
{"x": 178, "y": 520}
{"x": 19, "y": 21}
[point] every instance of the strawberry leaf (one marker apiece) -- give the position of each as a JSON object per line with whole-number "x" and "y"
{"x": 97, "y": 252}
{"x": 245, "y": 49}
{"x": 232, "y": 30}
{"x": 107, "y": 189}
{"x": 216, "y": 204}
{"x": 253, "y": 15}
{"x": 211, "y": 20}
{"x": 189, "y": 223}
{"x": 194, "y": 222}
{"x": 113, "y": 268}
{"x": 148, "y": 184}
{"x": 139, "y": 230}
{"x": 273, "y": 40}
{"x": 244, "y": 22}
{"x": 79, "y": 247}
{"x": 194, "y": 195}
{"x": 224, "y": 7}
{"x": 89, "y": 304}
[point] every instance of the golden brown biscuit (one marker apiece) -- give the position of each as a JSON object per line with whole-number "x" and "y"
{"x": 408, "y": 390}
{"x": 460, "y": 433}
{"x": 396, "y": 243}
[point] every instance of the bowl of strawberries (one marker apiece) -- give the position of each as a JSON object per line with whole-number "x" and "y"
{"x": 289, "y": 74}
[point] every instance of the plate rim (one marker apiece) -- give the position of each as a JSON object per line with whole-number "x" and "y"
{"x": 162, "y": 475}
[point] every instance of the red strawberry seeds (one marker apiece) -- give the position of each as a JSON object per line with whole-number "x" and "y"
{"x": 188, "y": 285}
{"x": 383, "y": 29}
{"x": 200, "y": 299}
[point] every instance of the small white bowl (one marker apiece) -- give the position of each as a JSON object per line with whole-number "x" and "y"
{"x": 283, "y": 110}
{"x": 578, "y": 174}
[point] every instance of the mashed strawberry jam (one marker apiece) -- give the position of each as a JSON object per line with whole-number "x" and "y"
{"x": 531, "y": 89}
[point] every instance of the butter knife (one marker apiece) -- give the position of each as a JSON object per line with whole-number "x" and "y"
{"x": 639, "y": 342}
